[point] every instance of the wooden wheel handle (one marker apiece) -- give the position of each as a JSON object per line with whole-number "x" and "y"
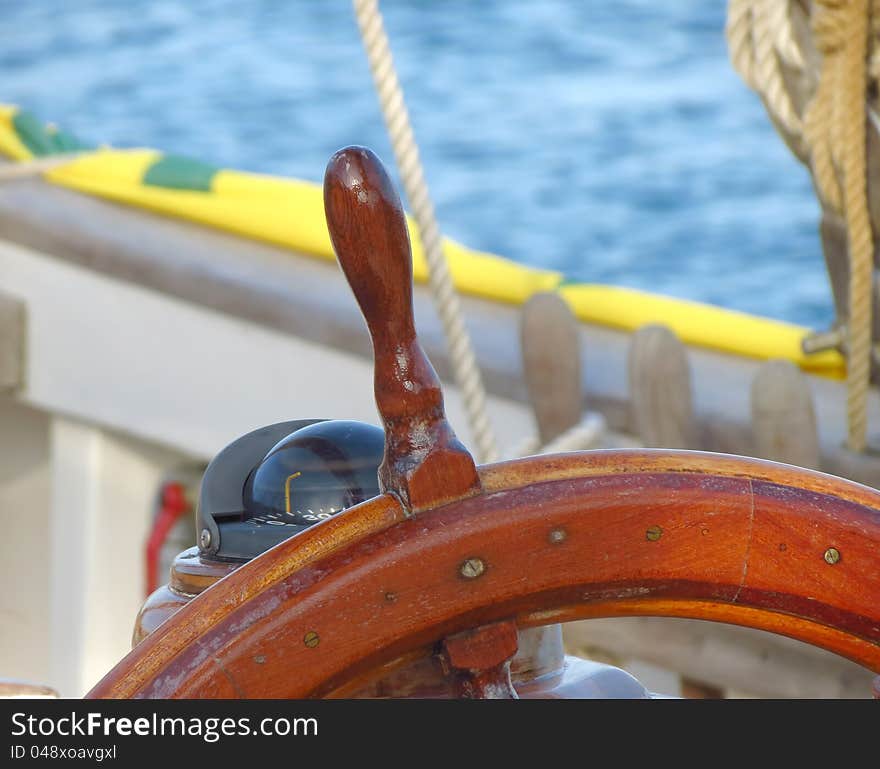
{"x": 424, "y": 464}
{"x": 533, "y": 541}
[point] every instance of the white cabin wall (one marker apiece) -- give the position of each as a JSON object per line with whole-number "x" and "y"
{"x": 104, "y": 489}
{"x": 76, "y": 504}
{"x": 131, "y": 384}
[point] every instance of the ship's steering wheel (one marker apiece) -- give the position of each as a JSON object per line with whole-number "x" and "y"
{"x": 452, "y": 558}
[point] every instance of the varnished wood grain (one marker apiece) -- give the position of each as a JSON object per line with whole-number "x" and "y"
{"x": 481, "y": 648}
{"x": 424, "y": 463}
{"x": 561, "y": 538}
{"x": 167, "y": 648}
{"x": 478, "y": 661}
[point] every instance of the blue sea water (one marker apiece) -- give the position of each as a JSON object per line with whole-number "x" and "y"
{"x": 611, "y": 141}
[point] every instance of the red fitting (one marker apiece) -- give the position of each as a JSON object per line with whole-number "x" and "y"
{"x": 173, "y": 506}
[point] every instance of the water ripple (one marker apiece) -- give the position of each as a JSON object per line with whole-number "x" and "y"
{"x": 611, "y": 141}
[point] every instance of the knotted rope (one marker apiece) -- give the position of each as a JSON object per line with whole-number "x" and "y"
{"x": 829, "y": 133}
{"x": 760, "y": 40}
{"x": 464, "y": 364}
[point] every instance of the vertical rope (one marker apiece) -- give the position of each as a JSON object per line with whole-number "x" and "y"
{"x": 858, "y": 223}
{"x": 464, "y": 364}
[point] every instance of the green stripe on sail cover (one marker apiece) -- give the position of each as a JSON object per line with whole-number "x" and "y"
{"x": 44, "y": 140}
{"x": 180, "y": 173}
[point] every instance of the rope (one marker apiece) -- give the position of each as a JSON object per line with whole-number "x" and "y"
{"x": 464, "y": 364}
{"x": 832, "y": 132}
{"x": 858, "y": 222}
{"x": 759, "y": 40}
{"x": 835, "y": 124}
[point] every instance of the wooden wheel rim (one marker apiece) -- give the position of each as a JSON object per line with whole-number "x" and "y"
{"x": 586, "y": 534}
